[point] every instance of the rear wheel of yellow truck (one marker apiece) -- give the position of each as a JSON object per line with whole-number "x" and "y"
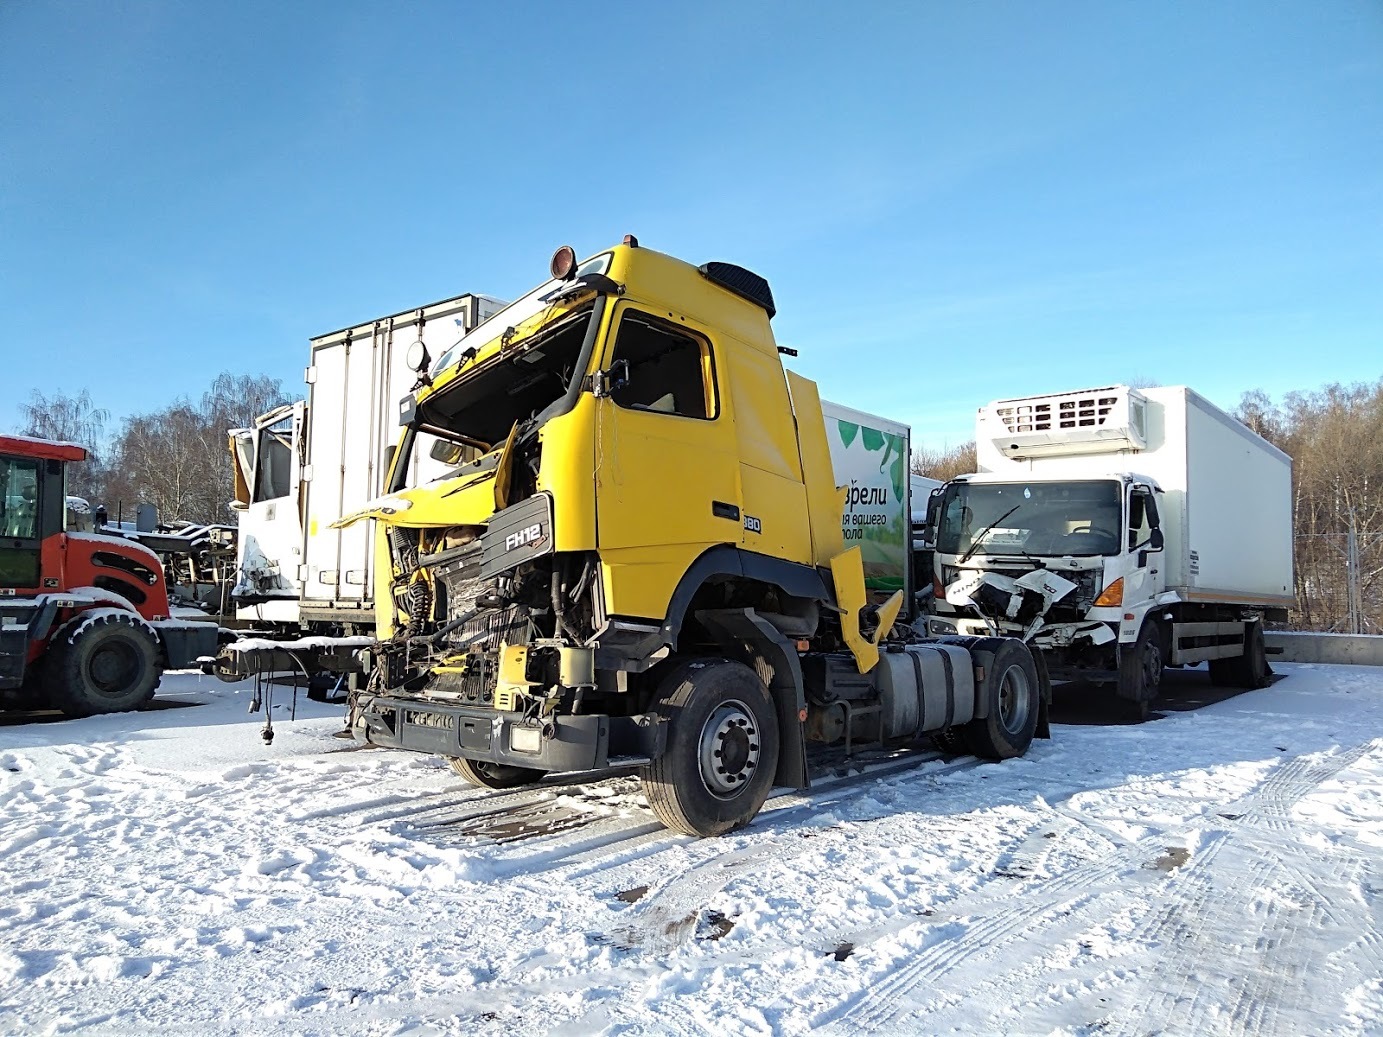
{"x": 1014, "y": 699}
{"x": 722, "y": 748}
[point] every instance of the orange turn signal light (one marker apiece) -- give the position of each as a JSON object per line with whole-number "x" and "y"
{"x": 1112, "y": 596}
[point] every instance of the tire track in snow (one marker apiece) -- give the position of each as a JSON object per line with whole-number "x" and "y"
{"x": 1278, "y": 922}
{"x": 610, "y": 823}
{"x": 1079, "y": 891}
{"x": 710, "y": 876}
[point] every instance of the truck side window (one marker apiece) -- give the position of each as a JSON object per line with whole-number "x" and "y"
{"x": 670, "y": 370}
{"x": 1139, "y": 527}
{"x": 273, "y": 461}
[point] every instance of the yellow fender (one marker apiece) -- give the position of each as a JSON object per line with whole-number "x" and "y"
{"x": 847, "y": 573}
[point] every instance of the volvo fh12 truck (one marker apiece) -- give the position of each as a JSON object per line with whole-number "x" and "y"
{"x": 638, "y": 555}
{"x": 1118, "y": 531}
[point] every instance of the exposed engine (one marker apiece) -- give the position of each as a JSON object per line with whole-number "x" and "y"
{"x": 466, "y": 592}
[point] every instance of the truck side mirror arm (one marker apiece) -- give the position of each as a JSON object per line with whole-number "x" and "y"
{"x": 603, "y": 383}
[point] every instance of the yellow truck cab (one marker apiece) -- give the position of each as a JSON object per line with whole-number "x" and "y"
{"x": 636, "y": 557}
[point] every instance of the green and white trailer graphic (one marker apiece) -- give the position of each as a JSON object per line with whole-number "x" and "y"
{"x": 870, "y": 454}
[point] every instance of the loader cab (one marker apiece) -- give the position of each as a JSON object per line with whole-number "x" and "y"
{"x": 33, "y": 478}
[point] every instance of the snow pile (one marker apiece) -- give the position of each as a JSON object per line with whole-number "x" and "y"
{"x": 1214, "y": 871}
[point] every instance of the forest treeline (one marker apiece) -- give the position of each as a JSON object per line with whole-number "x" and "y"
{"x": 1334, "y": 436}
{"x": 177, "y": 459}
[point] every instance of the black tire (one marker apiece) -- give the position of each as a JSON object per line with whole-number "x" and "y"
{"x": 1222, "y": 672}
{"x": 1130, "y": 712}
{"x": 950, "y": 741}
{"x": 1250, "y": 670}
{"x": 1140, "y": 668}
{"x": 1014, "y": 697}
{"x": 722, "y": 748}
{"x": 486, "y": 775}
{"x": 104, "y": 663}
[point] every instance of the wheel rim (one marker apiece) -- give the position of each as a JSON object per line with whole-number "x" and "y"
{"x": 1152, "y": 665}
{"x": 113, "y": 667}
{"x": 729, "y": 749}
{"x": 1014, "y": 700}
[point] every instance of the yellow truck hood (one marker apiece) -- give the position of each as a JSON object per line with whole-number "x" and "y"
{"x": 470, "y": 499}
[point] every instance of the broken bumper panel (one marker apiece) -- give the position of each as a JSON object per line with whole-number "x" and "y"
{"x": 569, "y": 743}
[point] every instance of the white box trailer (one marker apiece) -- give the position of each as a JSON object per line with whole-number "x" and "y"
{"x": 305, "y": 465}
{"x": 1119, "y": 530}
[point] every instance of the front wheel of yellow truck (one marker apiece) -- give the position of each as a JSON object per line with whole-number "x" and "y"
{"x": 486, "y": 775}
{"x": 722, "y": 748}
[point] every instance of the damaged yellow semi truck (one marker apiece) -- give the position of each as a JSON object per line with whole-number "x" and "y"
{"x": 635, "y": 558}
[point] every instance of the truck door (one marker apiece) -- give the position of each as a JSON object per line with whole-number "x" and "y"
{"x": 667, "y": 472}
{"x": 20, "y": 533}
{"x": 1147, "y": 580}
{"x": 271, "y": 525}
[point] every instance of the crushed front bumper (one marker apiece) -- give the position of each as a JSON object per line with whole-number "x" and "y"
{"x": 567, "y": 743}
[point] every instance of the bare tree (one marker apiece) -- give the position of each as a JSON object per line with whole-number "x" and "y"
{"x": 943, "y": 464}
{"x": 178, "y": 458}
{"x": 71, "y": 419}
{"x": 1335, "y": 439}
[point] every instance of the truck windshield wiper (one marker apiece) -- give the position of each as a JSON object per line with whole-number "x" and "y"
{"x": 979, "y": 539}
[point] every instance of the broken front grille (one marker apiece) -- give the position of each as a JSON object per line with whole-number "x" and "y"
{"x": 473, "y": 677}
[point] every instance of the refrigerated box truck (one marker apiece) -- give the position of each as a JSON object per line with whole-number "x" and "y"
{"x": 1119, "y": 530}
{"x": 304, "y": 465}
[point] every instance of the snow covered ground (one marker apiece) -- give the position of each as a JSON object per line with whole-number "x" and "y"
{"x": 1213, "y": 871}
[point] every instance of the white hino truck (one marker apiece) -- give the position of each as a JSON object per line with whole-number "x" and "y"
{"x": 1118, "y": 531}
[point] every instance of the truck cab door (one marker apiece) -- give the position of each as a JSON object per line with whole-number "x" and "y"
{"x": 270, "y": 539}
{"x": 1146, "y": 578}
{"x": 666, "y": 467}
{"x": 21, "y": 525}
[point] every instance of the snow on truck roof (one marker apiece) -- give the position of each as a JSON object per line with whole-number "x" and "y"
{"x": 48, "y": 449}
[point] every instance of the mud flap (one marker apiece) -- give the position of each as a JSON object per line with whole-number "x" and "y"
{"x": 1044, "y": 680}
{"x": 21, "y": 625}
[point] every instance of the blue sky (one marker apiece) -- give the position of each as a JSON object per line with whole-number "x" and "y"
{"x": 953, "y": 201}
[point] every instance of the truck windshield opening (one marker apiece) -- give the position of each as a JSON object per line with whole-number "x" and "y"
{"x": 518, "y": 384}
{"x": 1037, "y": 518}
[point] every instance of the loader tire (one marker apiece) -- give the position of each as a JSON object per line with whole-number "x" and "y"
{"x": 108, "y": 663}
{"x": 486, "y": 775}
{"x": 1014, "y": 697}
{"x": 722, "y": 748}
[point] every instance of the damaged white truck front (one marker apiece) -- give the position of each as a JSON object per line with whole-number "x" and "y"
{"x": 1119, "y": 531}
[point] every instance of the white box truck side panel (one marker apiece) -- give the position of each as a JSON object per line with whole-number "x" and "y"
{"x": 871, "y": 454}
{"x": 355, "y": 425}
{"x": 1165, "y": 463}
{"x": 326, "y": 447}
{"x": 1239, "y": 511}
